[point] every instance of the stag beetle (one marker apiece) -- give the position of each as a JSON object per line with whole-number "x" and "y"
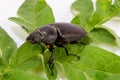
{"x": 58, "y": 34}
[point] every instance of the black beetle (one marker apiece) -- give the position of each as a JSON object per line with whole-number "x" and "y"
{"x": 58, "y": 34}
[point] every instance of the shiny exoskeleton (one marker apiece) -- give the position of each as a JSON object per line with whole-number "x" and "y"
{"x": 57, "y": 34}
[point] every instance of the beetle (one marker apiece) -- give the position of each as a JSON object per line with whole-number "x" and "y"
{"x": 57, "y": 34}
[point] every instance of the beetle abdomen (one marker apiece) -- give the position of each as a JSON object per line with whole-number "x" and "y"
{"x": 69, "y": 32}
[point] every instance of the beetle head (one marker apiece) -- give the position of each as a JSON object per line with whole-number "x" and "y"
{"x": 35, "y": 37}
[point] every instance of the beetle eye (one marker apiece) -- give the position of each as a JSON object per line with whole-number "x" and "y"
{"x": 30, "y": 39}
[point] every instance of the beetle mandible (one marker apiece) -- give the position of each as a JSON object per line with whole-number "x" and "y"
{"x": 58, "y": 34}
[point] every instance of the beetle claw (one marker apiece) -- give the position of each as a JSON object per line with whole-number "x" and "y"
{"x": 51, "y": 66}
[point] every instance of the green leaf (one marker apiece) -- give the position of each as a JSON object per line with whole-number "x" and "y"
{"x": 118, "y": 15}
{"x": 105, "y": 10}
{"x": 89, "y": 18}
{"x": 94, "y": 64}
{"x": 2, "y": 65}
{"x": 26, "y": 57}
{"x": 7, "y": 46}
{"x": 118, "y": 5}
{"x": 20, "y": 75}
{"x": 33, "y": 13}
{"x": 30, "y": 57}
{"x": 84, "y": 12}
{"x": 104, "y": 35}
{"x": 113, "y": 68}
{"x": 79, "y": 6}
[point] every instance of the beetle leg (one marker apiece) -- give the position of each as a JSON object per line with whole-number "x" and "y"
{"x": 51, "y": 49}
{"x": 66, "y": 50}
{"x": 50, "y": 61}
{"x": 52, "y": 55}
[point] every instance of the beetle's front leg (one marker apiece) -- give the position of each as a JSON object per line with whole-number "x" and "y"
{"x": 51, "y": 59}
{"x": 51, "y": 49}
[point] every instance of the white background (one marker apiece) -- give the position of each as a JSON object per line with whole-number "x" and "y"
{"x": 61, "y": 10}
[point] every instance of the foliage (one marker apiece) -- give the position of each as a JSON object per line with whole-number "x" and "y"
{"x": 30, "y": 61}
{"x": 91, "y": 19}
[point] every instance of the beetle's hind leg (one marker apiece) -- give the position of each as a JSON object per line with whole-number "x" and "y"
{"x": 66, "y": 50}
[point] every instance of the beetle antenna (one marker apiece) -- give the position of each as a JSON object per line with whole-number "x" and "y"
{"x": 25, "y": 29}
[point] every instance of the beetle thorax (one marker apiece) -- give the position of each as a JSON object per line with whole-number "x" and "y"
{"x": 50, "y": 34}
